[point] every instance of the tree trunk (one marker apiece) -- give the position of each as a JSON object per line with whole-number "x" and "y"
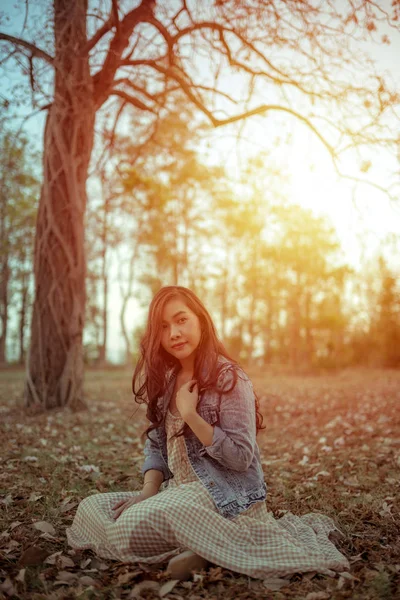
{"x": 104, "y": 279}
{"x": 4, "y": 276}
{"x": 22, "y": 318}
{"x": 4, "y": 279}
{"x": 55, "y": 360}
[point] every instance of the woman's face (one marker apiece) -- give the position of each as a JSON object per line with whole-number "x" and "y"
{"x": 181, "y": 331}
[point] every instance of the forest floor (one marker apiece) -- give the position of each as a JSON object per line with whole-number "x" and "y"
{"x": 331, "y": 445}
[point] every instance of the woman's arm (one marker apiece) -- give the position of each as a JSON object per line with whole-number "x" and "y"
{"x": 152, "y": 481}
{"x": 153, "y": 457}
{"x": 233, "y": 440}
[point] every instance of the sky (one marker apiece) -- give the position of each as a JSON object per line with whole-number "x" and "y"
{"x": 313, "y": 181}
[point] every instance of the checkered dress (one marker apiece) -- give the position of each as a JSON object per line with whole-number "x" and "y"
{"x": 184, "y": 516}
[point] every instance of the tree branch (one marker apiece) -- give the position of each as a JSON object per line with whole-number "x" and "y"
{"x": 35, "y": 51}
{"x": 131, "y": 100}
{"x": 185, "y": 85}
{"x": 104, "y": 80}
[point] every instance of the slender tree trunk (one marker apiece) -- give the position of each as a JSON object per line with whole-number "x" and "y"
{"x": 4, "y": 275}
{"x": 309, "y": 335}
{"x": 4, "y": 279}
{"x": 55, "y": 360}
{"x": 295, "y": 339}
{"x": 104, "y": 280}
{"x": 22, "y": 318}
{"x": 126, "y": 294}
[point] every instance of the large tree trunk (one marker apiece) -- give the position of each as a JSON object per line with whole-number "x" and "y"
{"x": 55, "y": 360}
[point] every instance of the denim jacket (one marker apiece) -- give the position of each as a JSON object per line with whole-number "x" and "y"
{"x": 230, "y": 469}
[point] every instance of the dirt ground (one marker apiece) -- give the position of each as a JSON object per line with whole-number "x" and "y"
{"x": 331, "y": 445}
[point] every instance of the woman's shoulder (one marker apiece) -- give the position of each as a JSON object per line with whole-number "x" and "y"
{"x": 228, "y": 373}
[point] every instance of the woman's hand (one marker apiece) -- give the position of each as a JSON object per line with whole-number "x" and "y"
{"x": 187, "y": 398}
{"x": 124, "y": 504}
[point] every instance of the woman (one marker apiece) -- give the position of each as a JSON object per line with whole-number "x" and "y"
{"x": 204, "y": 417}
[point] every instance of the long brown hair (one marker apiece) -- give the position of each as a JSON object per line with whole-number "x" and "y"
{"x": 155, "y": 365}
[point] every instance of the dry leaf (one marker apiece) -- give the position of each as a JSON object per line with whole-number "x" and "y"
{"x": 66, "y": 576}
{"x": 275, "y": 583}
{"x": 167, "y": 587}
{"x": 34, "y": 497}
{"x": 51, "y": 560}
{"x": 86, "y": 580}
{"x": 8, "y": 588}
{"x": 69, "y": 506}
{"x": 97, "y": 564}
{"x": 215, "y": 574}
{"x": 12, "y": 545}
{"x": 48, "y": 536}
{"x": 85, "y": 563}
{"x": 124, "y": 578}
{"x": 44, "y": 526}
{"x": 21, "y": 576}
{"x": 143, "y": 585}
{"x": 15, "y": 524}
{"x": 33, "y": 556}
{"x": 65, "y": 561}
{"x": 318, "y": 596}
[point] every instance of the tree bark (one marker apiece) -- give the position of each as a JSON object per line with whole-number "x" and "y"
{"x": 55, "y": 360}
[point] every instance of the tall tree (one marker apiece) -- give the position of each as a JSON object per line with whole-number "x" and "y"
{"x": 299, "y": 55}
{"x": 18, "y": 205}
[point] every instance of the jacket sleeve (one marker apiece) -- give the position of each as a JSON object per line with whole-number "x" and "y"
{"x": 153, "y": 458}
{"x": 234, "y": 438}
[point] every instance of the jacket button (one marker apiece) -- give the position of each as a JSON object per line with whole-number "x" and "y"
{"x": 211, "y": 483}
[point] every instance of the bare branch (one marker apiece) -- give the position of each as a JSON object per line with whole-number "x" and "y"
{"x": 35, "y": 51}
{"x": 104, "y": 79}
{"x": 115, "y": 14}
{"x": 186, "y": 87}
{"x": 131, "y": 100}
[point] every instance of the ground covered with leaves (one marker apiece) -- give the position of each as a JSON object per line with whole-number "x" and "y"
{"x": 331, "y": 445}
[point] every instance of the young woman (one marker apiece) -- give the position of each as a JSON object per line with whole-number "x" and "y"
{"x": 201, "y": 442}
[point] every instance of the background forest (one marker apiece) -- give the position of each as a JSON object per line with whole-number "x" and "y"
{"x": 273, "y": 273}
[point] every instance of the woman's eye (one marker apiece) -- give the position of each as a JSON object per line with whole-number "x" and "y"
{"x": 182, "y": 320}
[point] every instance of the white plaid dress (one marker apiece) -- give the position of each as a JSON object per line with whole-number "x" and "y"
{"x": 184, "y": 516}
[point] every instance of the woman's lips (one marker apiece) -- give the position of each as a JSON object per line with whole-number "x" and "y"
{"x": 178, "y": 347}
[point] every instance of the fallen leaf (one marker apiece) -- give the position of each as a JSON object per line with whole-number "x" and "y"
{"x": 86, "y": 580}
{"x": 34, "y": 497}
{"x": 318, "y": 596}
{"x": 167, "y": 587}
{"x": 143, "y": 585}
{"x": 15, "y": 524}
{"x": 89, "y": 469}
{"x": 85, "y": 563}
{"x": 8, "y": 588}
{"x": 215, "y": 574}
{"x": 275, "y": 583}
{"x": 66, "y": 576}
{"x": 33, "y": 556}
{"x": 48, "y": 536}
{"x": 7, "y": 500}
{"x": 97, "y": 564}
{"x": 124, "y": 578}
{"x": 69, "y": 506}
{"x": 21, "y": 576}
{"x": 12, "y": 545}
{"x": 44, "y": 526}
